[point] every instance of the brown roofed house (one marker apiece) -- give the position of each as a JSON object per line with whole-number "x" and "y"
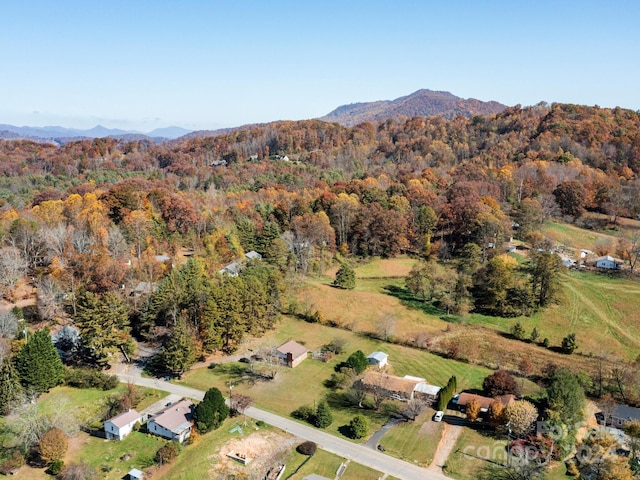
{"x": 465, "y": 398}
{"x": 291, "y": 353}
{"x": 173, "y": 422}
{"x": 395, "y": 387}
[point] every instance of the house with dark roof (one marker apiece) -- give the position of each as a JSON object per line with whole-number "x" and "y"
{"x": 173, "y": 422}
{"x": 120, "y": 426}
{"x": 291, "y": 353}
{"x": 621, "y": 415}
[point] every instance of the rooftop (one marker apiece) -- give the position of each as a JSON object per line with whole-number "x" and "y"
{"x": 626, "y": 412}
{"x": 125, "y": 418}
{"x": 175, "y": 417}
{"x": 294, "y": 348}
{"x": 379, "y": 356}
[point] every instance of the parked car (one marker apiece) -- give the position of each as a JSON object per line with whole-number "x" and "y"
{"x": 381, "y": 448}
{"x": 438, "y": 416}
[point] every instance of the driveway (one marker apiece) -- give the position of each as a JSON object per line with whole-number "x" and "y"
{"x": 376, "y": 437}
{"x": 450, "y": 435}
{"x": 344, "y": 448}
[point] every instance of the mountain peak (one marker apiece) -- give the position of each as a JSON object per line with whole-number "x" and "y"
{"x": 423, "y": 102}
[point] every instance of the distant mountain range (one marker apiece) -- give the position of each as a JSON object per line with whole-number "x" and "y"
{"x": 421, "y": 103}
{"x": 64, "y": 135}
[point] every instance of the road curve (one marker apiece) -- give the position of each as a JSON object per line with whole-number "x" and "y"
{"x": 357, "y": 453}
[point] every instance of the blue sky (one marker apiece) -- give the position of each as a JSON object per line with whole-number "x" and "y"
{"x": 144, "y": 64}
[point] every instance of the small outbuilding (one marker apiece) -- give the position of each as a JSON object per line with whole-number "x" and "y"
{"x": 253, "y": 255}
{"x": 608, "y": 262}
{"x": 378, "y": 359}
{"x": 134, "y": 474}
{"x": 292, "y": 353}
{"x": 120, "y": 426}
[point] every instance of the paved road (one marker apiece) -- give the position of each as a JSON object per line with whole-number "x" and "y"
{"x": 351, "y": 451}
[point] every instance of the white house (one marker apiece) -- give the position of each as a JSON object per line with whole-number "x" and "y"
{"x": 173, "y": 422}
{"x": 607, "y": 262}
{"x": 378, "y": 359}
{"x": 120, "y": 426}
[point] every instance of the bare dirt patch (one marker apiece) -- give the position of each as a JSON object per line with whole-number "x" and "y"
{"x": 264, "y": 450}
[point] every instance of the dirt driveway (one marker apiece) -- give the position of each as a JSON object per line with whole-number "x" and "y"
{"x": 446, "y": 445}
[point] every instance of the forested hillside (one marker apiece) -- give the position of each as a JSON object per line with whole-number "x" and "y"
{"x": 89, "y": 221}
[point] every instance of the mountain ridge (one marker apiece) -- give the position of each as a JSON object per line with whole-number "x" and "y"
{"x": 423, "y": 102}
{"x": 57, "y": 133}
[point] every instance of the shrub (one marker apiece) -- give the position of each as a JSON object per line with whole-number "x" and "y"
{"x": 518, "y": 331}
{"x": 305, "y": 413}
{"x": 55, "y": 468}
{"x": 335, "y": 346}
{"x": 16, "y": 460}
{"x": 167, "y": 453}
{"x": 359, "y": 426}
{"x": 357, "y": 361}
{"x": 546, "y": 342}
{"x": 323, "y": 417}
{"x": 307, "y": 448}
{"x": 569, "y": 344}
{"x": 345, "y": 277}
{"x": 90, "y": 378}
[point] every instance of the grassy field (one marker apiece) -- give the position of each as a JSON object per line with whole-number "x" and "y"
{"x": 327, "y": 464}
{"x": 414, "y": 442}
{"x": 307, "y": 379}
{"x": 472, "y": 453}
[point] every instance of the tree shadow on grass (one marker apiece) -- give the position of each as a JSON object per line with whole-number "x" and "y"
{"x": 410, "y": 301}
{"x": 346, "y": 431}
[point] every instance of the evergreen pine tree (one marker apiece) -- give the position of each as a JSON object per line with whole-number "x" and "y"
{"x": 211, "y": 412}
{"x": 323, "y": 416}
{"x": 38, "y": 363}
{"x": 10, "y": 387}
{"x": 178, "y": 353}
{"x": 345, "y": 277}
{"x": 103, "y": 323}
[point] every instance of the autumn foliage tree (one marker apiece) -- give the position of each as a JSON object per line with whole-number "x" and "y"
{"x": 53, "y": 445}
{"x": 500, "y": 383}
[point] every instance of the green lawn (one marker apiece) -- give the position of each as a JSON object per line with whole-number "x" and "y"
{"x": 327, "y": 464}
{"x": 472, "y": 453}
{"x": 414, "y": 442}
{"x": 322, "y": 463}
{"x": 307, "y": 379}
{"x": 113, "y": 459}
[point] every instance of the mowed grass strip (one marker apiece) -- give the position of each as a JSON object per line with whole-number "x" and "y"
{"x": 321, "y": 463}
{"x": 414, "y": 442}
{"x": 473, "y": 452}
